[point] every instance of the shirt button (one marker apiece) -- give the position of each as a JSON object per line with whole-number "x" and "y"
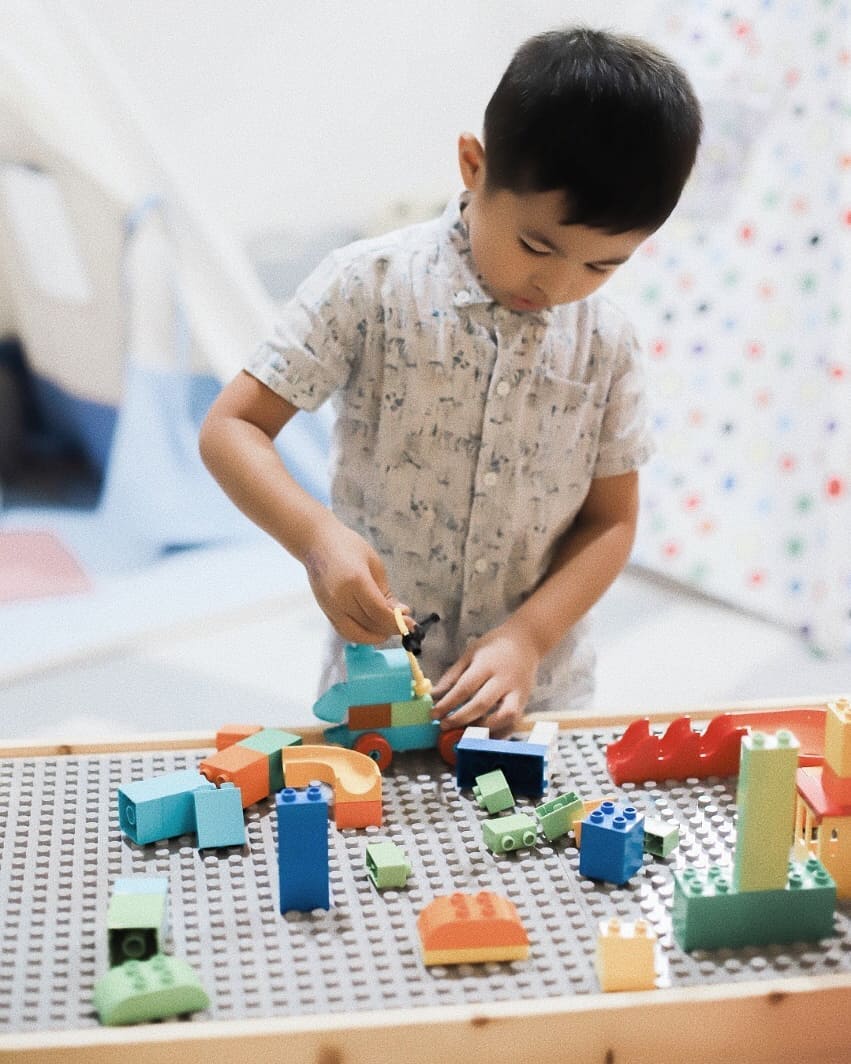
{"x": 463, "y": 297}
{"x": 503, "y": 388}
{"x": 490, "y": 479}
{"x": 481, "y": 565}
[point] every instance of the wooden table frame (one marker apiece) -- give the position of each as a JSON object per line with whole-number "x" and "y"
{"x": 773, "y": 1020}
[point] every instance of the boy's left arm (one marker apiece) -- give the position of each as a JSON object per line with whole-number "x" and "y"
{"x": 494, "y": 678}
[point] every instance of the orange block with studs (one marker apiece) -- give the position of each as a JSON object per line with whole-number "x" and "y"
{"x": 229, "y": 734}
{"x": 245, "y": 768}
{"x": 471, "y": 928}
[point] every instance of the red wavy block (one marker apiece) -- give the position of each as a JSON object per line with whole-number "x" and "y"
{"x": 680, "y": 753}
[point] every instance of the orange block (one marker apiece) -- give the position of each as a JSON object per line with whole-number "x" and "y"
{"x": 471, "y": 928}
{"x": 375, "y": 716}
{"x": 837, "y": 788}
{"x": 245, "y": 768}
{"x": 229, "y": 734}
{"x": 357, "y": 814}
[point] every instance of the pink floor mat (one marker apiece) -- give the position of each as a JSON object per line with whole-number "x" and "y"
{"x": 37, "y": 565}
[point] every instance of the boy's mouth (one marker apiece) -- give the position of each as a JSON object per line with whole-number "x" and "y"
{"x": 521, "y": 303}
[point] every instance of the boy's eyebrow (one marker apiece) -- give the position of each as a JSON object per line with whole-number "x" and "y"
{"x": 540, "y": 238}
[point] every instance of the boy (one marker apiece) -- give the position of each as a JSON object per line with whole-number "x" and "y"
{"x": 490, "y": 409}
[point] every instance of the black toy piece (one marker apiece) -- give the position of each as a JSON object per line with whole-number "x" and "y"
{"x": 413, "y": 641}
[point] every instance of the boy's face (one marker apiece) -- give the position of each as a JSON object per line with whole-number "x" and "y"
{"x": 526, "y": 258}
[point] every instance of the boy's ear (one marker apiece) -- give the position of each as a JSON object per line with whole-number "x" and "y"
{"x": 471, "y": 160}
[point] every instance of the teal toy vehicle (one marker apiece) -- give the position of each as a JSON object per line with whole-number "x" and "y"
{"x": 381, "y": 709}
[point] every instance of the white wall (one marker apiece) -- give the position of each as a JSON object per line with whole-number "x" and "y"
{"x": 310, "y": 114}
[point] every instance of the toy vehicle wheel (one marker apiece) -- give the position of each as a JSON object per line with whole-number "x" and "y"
{"x": 446, "y": 745}
{"x": 376, "y": 747}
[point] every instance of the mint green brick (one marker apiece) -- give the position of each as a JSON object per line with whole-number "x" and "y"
{"x": 136, "y": 925}
{"x": 506, "y": 833}
{"x": 492, "y": 792}
{"x": 556, "y": 816}
{"x": 709, "y": 913}
{"x": 766, "y": 810}
{"x": 414, "y": 711}
{"x": 660, "y": 837}
{"x": 271, "y": 741}
{"x": 142, "y": 991}
{"x": 387, "y": 865}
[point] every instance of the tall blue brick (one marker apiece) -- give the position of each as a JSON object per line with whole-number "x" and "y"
{"x": 303, "y": 865}
{"x": 612, "y": 843}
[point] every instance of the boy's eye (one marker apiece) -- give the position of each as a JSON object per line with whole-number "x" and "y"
{"x": 598, "y": 269}
{"x": 534, "y": 249}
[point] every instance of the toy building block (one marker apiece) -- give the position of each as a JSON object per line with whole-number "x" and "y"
{"x": 137, "y": 918}
{"x": 612, "y": 847}
{"x": 374, "y": 676}
{"x": 544, "y": 733}
{"x": 471, "y": 928}
{"x": 219, "y": 818}
{"x": 506, "y": 833}
{"x": 414, "y": 711}
{"x": 588, "y": 806}
{"x": 161, "y": 807}
{"x": 766, "y": 809}
{"x": 556, "y": 817}
{"x": 387, "y": 865}
{"x": 230, "y": 734}
{"x": 680, "y": 753}
{"x": 365, "y": 718}
{"x": 660, "y": 837}
{"x": 823, "y": 829}
{"x": 625, "y": 958}
{"x": 245, "y": 768}
{"x": 303, "y": 863}
{"x": 492, "y": 792}
{"x": 709, "y": 913}
{"x": 355, "y": 778}
{"x": 525, "y": 765}
{"x": 142, "y": 991}
{"x": 271, "y": 741}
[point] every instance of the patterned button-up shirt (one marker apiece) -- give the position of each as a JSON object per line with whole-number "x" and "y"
{"x": 467, "y": 434}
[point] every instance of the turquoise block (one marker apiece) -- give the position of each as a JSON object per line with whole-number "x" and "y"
{"x": 160, "y": 807}
{"x": 219, "y": 818}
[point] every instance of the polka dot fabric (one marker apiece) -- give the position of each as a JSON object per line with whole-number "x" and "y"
{"x": 742, "y": 300}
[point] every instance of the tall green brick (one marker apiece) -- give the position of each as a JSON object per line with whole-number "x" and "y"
{"x": 766, "y": 811}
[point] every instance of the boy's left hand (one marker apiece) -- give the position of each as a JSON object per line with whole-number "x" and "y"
{"x": 492, "y": 682}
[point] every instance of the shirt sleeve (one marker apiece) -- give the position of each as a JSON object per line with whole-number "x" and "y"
{"x": 317, "y": 337}
{"x": 626, "y": 441}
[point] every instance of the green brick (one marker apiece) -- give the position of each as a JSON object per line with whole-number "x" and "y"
{"x": 557, "y": 815}
{"x": 660, "y": 838}
{"x": 142, "y": 991}
{"x": 492, "y": 792}
{"x": 766, "y": 810}
{"x": 271, "y": 741}
{"x": 505, "y": 833}
{"x": 414, "y": 711}
{"x": 136, "y": 926}
{"x": 708, "y": 913}
{"x": 387, "y": 865}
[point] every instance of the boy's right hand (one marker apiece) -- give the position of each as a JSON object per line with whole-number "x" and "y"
{"x": 349, "y": 582}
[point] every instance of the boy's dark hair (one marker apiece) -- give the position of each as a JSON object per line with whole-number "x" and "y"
{"x": 607, "y": 119}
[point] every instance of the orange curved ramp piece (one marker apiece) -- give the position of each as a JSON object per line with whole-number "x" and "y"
{"x": 470, "y": 928}
{"x": 354, "y": 777}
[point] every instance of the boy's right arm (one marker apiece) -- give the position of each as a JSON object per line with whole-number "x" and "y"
{"x": 346, "y": 575}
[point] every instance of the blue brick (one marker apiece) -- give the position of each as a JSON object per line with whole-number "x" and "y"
{"x": 612, "y": 844}
{"x": 219, "y": 818}
{"x": 303, "y": 863}
{"x": 160, "y": 807}
{"x": 524, "y": 765}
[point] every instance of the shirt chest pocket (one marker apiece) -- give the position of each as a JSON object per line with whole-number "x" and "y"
{"x": 558, "y": 425}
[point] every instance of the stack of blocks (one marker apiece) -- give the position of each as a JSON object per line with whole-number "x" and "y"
{"x": 143, "y": 983}
{"x": 768, "y": 899}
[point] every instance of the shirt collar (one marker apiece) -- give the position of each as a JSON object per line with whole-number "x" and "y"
{"x": 469, "y": 289}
